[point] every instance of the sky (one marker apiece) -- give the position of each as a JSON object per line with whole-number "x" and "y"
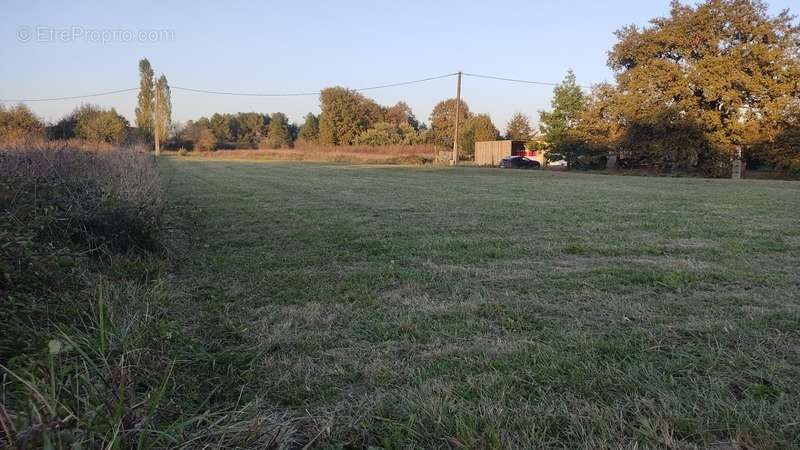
{"x": 57, "y": 49}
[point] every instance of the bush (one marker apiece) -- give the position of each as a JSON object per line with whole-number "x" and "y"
{"x": 384, "y": 133}
{"x": 19, "y": 123}
{"x": 95, "y": 124}
{"x": 92, "y": 197}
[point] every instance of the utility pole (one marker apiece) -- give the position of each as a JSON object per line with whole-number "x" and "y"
{"x": 458, "y": 116}
{"x": 155, "y": 125}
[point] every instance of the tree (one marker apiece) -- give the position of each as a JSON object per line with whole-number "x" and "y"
{"x": 708, "y": 80}
{"x": 309, "y": 130}
{"x": 385, "y": 133}
{"x": 598, "y": 131}
{"x": 476, "y": 129}
{"x": 220, "y": 126}
{"x": 567, "y": 105}
{"x": 784, "y": 151}
{"x": 93, "y": 123}
{"x": 19, "y": 122}
{"x": 250, "y": 128}
{"x": 443, "y": 121}
{"x": 163, "y": 114}
{"x": 144, "y": 110}
{"x": 519, "y": 128}
{"x": 345, "y": 115}
{"x": 279, "y": 134}
{"x": 200, "y": 135}
{"x": 401, "y": 113}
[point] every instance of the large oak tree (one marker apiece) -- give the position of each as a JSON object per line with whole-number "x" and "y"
{"x": 707, "y": 81}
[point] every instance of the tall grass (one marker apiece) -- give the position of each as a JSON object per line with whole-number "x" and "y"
{"x": 355, "y": 154}
{"x": 97, "y": 196}
{"x": 92, "y": 354}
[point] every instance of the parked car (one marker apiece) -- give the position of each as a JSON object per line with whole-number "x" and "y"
{"x": 519, "y": 162}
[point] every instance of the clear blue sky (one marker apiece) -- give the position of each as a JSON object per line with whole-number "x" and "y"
{"x": 269, "y": 46}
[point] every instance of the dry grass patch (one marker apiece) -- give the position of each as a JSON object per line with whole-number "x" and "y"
{"x": 387, "y": 154}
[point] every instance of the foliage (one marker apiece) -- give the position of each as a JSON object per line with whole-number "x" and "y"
{"x": 243, "y": 130}
{"x": 145, "y": 107}
{"x": 19, "y": 122}
{"x": 783, "y": 152}
{"x": 309, "y": 130}
{"x": 345, "y": 115}
{"x": 401, "y": 113}
{"x": 199, "y": 134}
{"x": 250, "y": 129}
{"x": 385, "y": 133}
{"x": 519, "y": 128}
{"x": 223, "y": 127}
{"x": 280, "y": 133}
{"x": 92, "y": 123}
{"x": 477, "y": 128}
{"x": 164, "y": 112}
{"x": 443, "y": 121}
{"x": 567, "y": 105}
{"x": 707, "y": 80}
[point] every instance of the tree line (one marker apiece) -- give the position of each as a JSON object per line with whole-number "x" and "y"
{"x": 88, "y": 122}
{"x": 97, "y": 124}
{"x": 346, "y": 117}
{"x": 693, "y": 90}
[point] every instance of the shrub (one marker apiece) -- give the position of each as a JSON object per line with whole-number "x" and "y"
{"x": 19, "y": 123}
{"x": 93, "y": 123}
{"x": 384, "y": 133}
{"x": 93, "y": 197}
{"x": 200, "y": 135}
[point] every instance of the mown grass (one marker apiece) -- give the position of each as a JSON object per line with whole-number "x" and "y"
{"x": 477, "y": 308}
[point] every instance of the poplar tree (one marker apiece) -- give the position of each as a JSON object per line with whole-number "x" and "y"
{"x": 144, "y": 109}
{"x": 164, "y": 112}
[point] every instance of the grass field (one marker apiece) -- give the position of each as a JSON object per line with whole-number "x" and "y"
{"x": 402, "y": 307}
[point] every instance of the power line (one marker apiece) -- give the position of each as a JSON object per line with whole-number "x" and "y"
{"x": 243, "y": 94}
{"x": 301, "y": 94}
{"x": 515, "y": 80}
{"x": 209, "y": 91}
{"x": 72, "y": 97}
{"x": 408, "y": 82}
{"x": 290, "y": 94}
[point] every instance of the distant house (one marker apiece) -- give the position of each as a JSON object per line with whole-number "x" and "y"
{"x": 489, "y": 153}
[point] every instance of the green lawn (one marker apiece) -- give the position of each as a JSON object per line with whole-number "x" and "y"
{"x": 402, "y": 307}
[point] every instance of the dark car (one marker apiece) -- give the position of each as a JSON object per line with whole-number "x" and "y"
{"x": 519, "y": 162}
